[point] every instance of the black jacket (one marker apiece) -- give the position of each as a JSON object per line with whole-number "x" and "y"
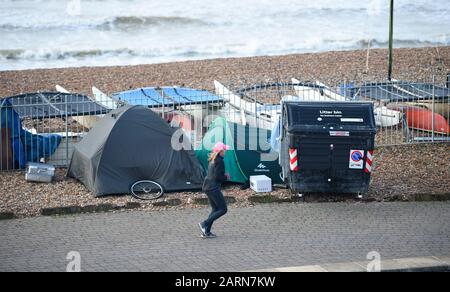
{"x": 216, "y": 175}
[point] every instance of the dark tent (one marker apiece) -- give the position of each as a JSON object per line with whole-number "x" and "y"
{"x": 130, "y": 144}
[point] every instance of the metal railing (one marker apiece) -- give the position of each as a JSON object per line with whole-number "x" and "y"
{"x": 405, "y": 112}
{"x": 45, "y": 127}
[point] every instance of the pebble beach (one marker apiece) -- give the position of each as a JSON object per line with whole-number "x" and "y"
{"x": 400, "y": 172}
{"x": 417, "y": 64}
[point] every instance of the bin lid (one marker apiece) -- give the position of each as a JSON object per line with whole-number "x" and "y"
{"x": 329, "y": 116}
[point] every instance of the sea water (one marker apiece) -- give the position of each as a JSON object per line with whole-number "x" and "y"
{"x": 67, "y": 33}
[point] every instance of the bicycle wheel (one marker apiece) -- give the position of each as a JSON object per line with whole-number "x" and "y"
{"x": 147, "y": 190}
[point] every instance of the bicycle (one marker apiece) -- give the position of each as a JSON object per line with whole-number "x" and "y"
{"x": 147, "y": 190}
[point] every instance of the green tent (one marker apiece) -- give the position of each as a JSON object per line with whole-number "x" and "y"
{"x": 250, "y": 152}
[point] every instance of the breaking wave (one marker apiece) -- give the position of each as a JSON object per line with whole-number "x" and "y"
{"x": 114, "y": 23}
{"x": 60, "y": 55}
{"x": 210, "y": 51}
{"x": 126, "y": 22}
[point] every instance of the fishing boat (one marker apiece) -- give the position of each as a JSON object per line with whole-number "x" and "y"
{"x": 310, "y": 92}
{"x": 86, "y": 121}
{"x": 424, "y": 93}
{"x": 181, "y": 107}
{"x": 316, "y": 92}
{"x": 328, "y": 92}
{"x": 422, "y": 119}
{"x": 434, "y": 98}
{"x": 51, "y": 108}
{"x": 384, "y": 117}
{"x": 53, "y": 105}
{"x": 241, "y": 111}
{"x": 104, "y": 99}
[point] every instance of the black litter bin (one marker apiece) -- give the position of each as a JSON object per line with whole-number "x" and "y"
{"x": 327, "y": 147}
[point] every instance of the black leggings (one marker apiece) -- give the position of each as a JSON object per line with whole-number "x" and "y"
{"x": 219, "y": 208}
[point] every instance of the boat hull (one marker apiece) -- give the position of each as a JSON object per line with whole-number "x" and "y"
{"x": 422, "y": 119}
{"x": 385, "y": 117}
{"x": 86, "y": 121}
{"x": 442, "y": 108}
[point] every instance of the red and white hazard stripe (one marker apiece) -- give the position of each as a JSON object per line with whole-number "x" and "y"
{"x": 293, "y": 154}
{"x": 369, "y": 161}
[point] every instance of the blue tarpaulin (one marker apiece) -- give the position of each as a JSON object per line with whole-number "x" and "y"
{"x": 26, "y": 147}
{"x": 166, "y": 96}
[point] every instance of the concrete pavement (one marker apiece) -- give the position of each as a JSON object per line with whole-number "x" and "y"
{"x": 259, "y": 238}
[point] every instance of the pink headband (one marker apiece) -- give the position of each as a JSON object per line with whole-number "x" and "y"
{"x": 220, "y": 147}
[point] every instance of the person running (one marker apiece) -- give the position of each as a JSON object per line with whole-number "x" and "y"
{"x": 212, "y": 187}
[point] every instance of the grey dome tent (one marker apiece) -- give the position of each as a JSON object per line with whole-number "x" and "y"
{"x": 130, "y": 144}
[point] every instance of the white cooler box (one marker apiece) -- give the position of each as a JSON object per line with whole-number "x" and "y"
{"x": 261, "y": 184}
{"x": 38, "y": 172}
